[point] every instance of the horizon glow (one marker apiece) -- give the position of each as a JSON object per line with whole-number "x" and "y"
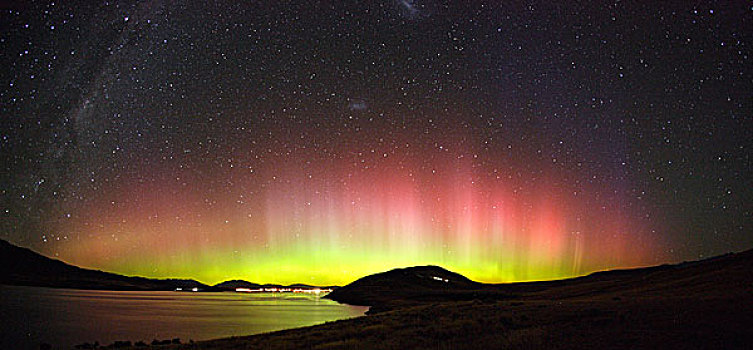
{"x": 332, "y": 226}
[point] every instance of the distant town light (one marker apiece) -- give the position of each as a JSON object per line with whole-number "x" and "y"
{"x": 283, "y": 290}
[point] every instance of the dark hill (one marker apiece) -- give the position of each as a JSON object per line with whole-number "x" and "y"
{"x": 409, "y": 286}
{"x": 424, "y": 282}
{"x": 21, "y": 266}
{"x": 232, "y": 285}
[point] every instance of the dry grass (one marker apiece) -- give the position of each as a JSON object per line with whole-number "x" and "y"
{"x": 573, "y": 324}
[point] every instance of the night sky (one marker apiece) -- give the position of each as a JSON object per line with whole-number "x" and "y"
{"x": 282, "y": 141}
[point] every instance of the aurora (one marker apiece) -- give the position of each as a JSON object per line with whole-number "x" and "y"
{"x": 335, "y": 223}
{"x": 309, "y": 142}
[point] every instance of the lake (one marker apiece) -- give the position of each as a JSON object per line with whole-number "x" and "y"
{"x": 67, "y": 317}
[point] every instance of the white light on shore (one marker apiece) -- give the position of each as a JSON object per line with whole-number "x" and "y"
{"x": 283, "y": 290}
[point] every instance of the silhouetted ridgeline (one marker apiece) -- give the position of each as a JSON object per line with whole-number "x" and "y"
{"x": 21, "y": 266}
{"x": 706, "y": 304}
{"x": 410, "y": 286}
{"x": 233, "y": 284}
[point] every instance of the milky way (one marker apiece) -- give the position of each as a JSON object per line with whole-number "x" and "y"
{"x": 292, "y": 142}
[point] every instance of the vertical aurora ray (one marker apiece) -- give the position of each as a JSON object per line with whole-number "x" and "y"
{"x": 336, "y": 224}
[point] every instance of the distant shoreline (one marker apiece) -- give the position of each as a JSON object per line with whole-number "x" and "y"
{"x": 24, "y": 267}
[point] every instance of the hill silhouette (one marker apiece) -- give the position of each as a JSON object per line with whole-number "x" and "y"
{"x": 705, "y": 304}
{"x": 233, "y": 284}
{"x": 403, "y": 285}
{"x": 21, "y": 266}
{"x": 413, "y": 285}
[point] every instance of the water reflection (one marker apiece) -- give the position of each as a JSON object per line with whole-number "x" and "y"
{"x": 66, "y": 317}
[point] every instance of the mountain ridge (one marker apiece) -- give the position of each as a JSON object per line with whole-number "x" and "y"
{"x": 23, "y": 266}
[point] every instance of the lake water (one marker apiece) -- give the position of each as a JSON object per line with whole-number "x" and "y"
{"x": 67, "y": 317}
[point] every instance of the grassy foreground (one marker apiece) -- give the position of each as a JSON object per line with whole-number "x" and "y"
{"x": 679, "y": 323}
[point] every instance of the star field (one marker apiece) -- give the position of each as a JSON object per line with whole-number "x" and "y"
{"x": 295, "y": 142}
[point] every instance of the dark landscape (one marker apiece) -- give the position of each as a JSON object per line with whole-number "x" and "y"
{"x": 705, "y": 304}
{"x": 692, "y": 305}
{"x": 476, "y": 174}
{"x": 23, "y": 267}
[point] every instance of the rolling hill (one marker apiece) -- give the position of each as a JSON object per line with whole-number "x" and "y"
{"x": 21, "y": 266}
